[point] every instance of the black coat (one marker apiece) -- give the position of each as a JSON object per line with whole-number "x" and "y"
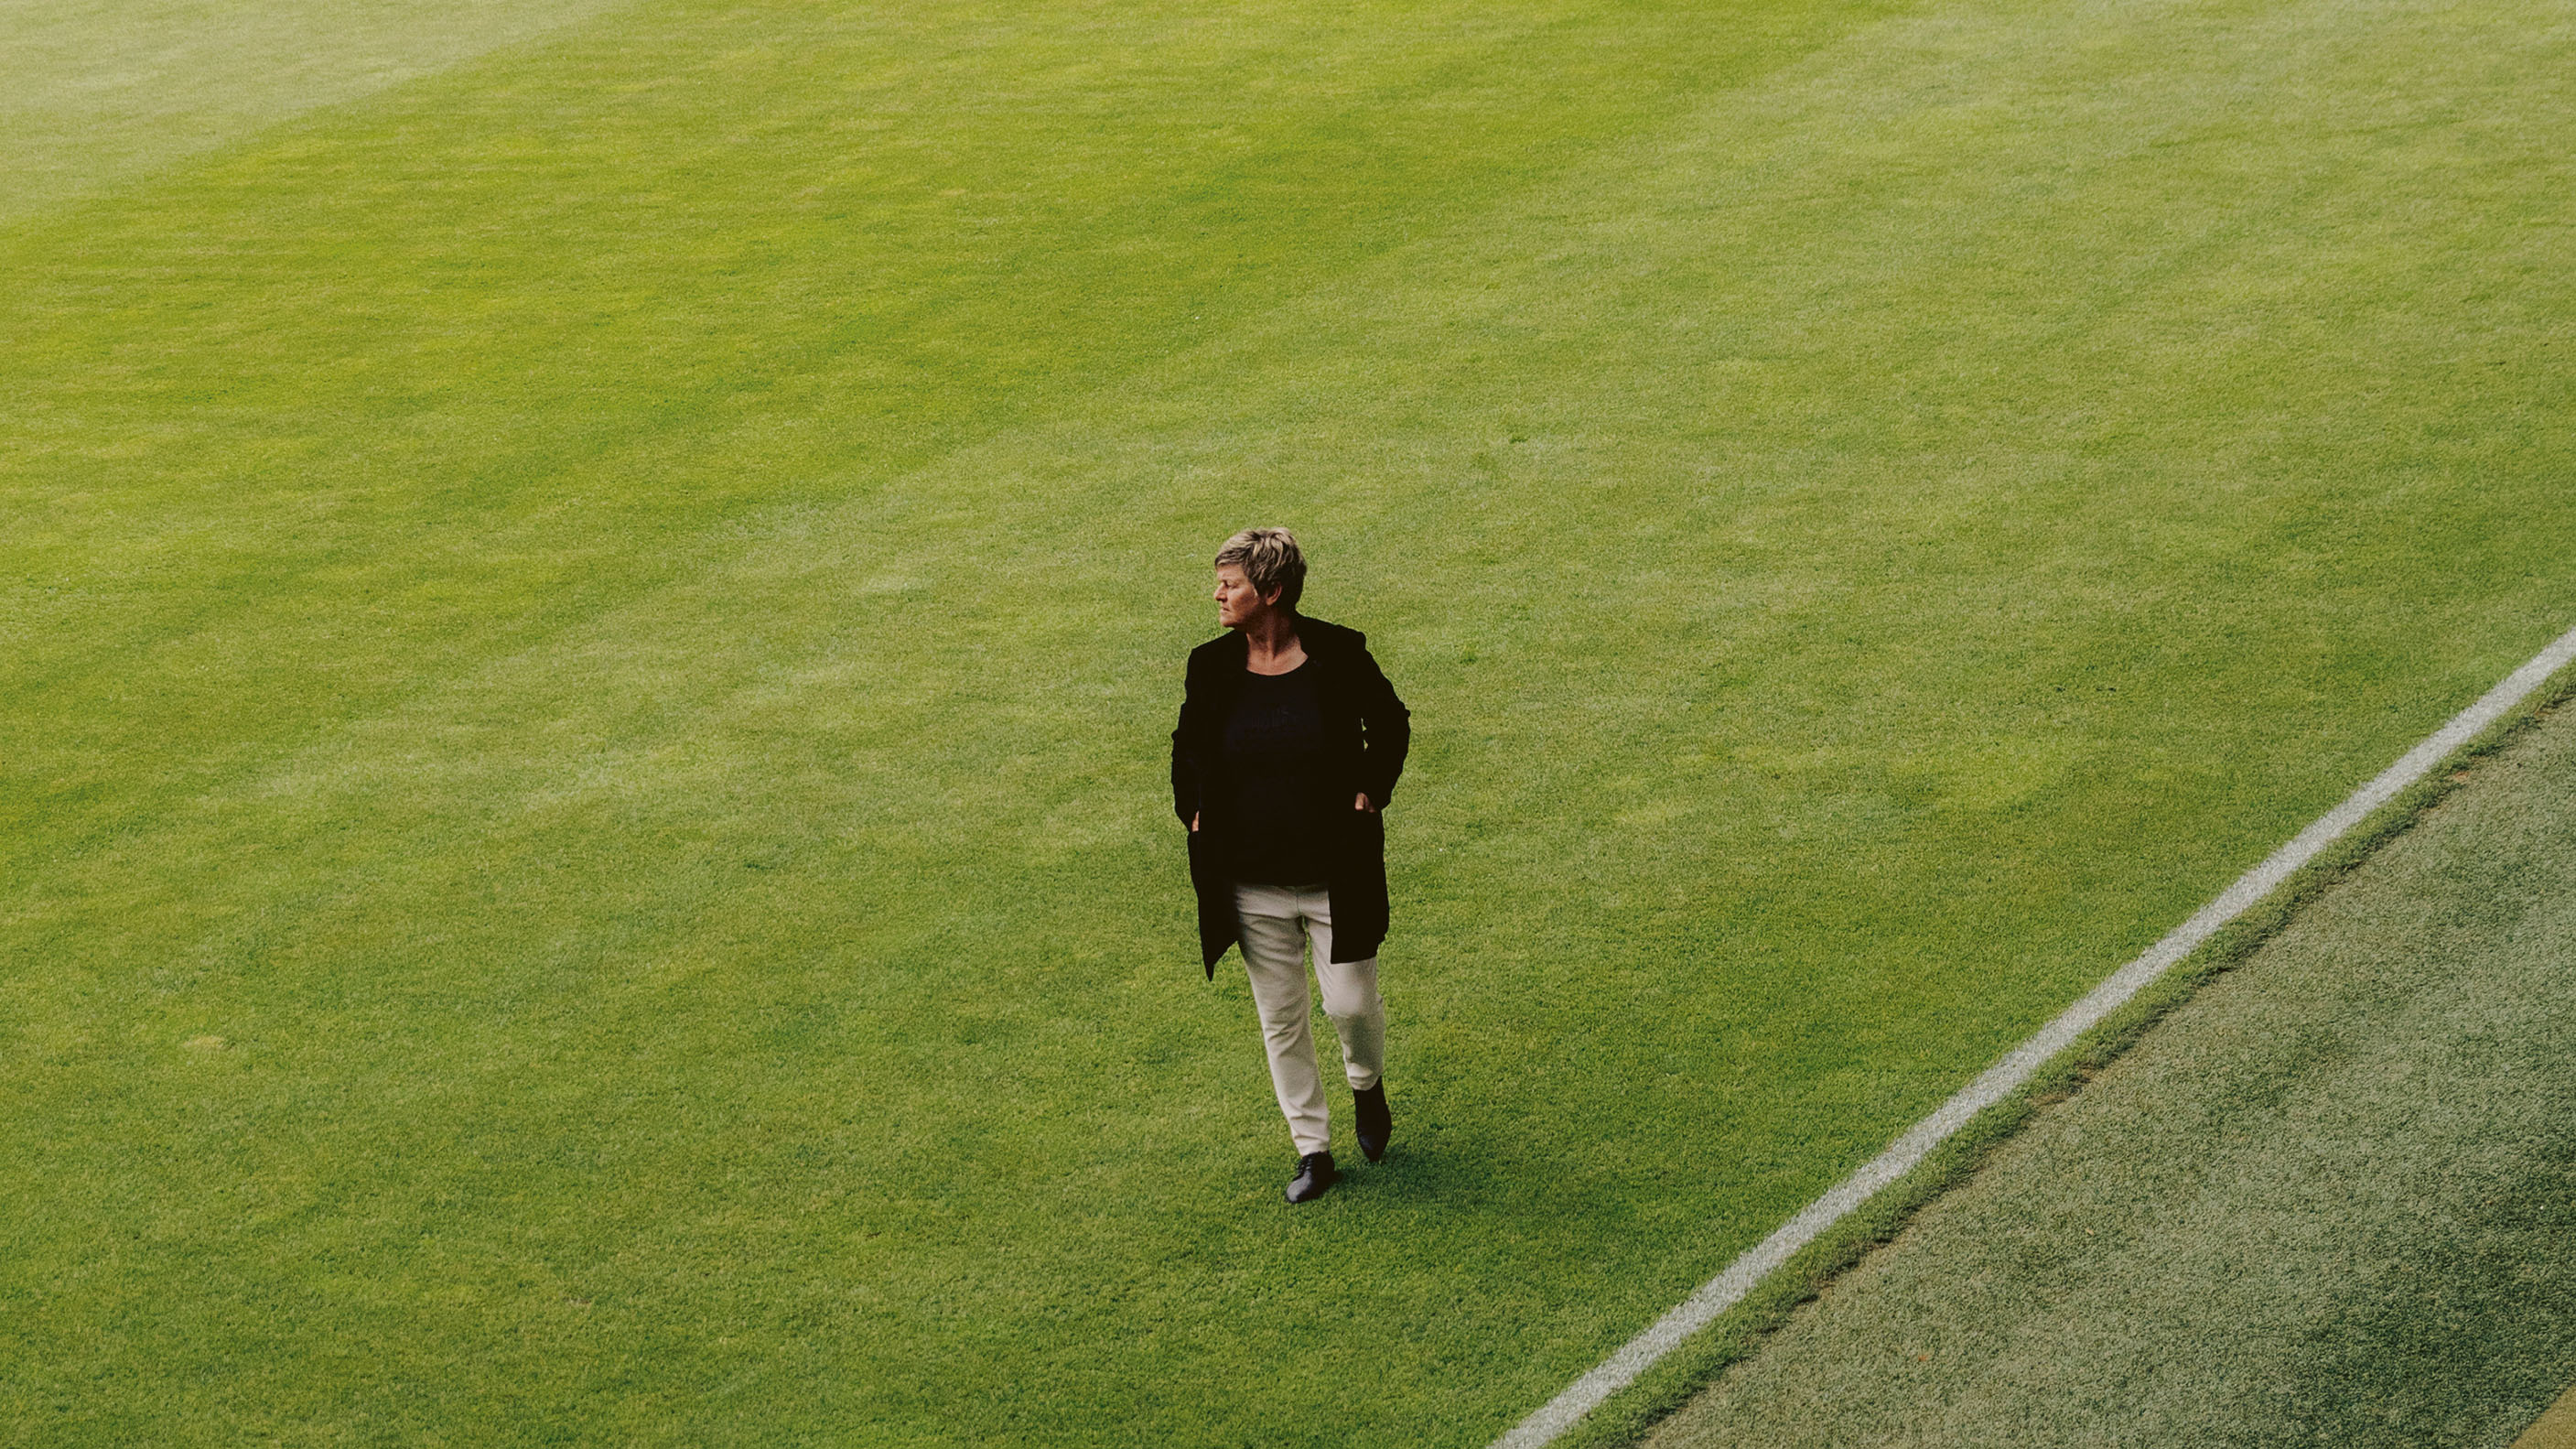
{"x": 1366, "y": 730}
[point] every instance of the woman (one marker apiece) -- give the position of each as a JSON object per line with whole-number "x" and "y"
{"x": 1289, "y": 744}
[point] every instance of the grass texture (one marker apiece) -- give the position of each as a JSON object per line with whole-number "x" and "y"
{"x": 105, "y": 91}
{"x": 1632, "y": 1415}
{"x": 2324, "y": 1203}
{"x": 588, "y": 639}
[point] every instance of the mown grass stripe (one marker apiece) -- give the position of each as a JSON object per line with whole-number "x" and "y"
{"x": 1999, "y": 1081}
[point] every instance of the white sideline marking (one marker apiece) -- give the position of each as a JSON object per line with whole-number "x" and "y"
{"x": 1722, "y": 1292}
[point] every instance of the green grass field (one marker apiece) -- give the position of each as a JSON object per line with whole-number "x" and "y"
{"x": 2327, "y": 1201}
{"x": 590, "y": 600}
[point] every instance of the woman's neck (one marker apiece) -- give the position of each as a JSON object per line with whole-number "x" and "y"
{"x": 1271, "y": 642}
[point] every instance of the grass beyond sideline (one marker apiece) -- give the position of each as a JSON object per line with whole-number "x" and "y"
{"x": 2328, "y": 1200}
{"x": 585, "y": 641}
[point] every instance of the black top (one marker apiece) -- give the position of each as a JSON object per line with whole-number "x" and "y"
{"x": 1274, "y": 755}
{"x": 1366, "y": 733}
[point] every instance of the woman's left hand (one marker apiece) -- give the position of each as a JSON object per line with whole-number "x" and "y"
{"x": 1363, "y": 802}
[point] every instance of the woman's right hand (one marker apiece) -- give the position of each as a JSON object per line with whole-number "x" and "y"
{"x": 1194, "y": 825}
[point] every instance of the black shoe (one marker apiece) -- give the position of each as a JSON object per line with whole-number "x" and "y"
{"x": 1376, "y": 1124}
{"x": 1314, "y": 1174}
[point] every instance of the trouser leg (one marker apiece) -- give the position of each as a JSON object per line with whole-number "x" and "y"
{"x": 1274, "y": 957}
{"x": 1350, "y": 996}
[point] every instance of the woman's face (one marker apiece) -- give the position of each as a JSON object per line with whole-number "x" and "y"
{"x": 1237, "y": 602}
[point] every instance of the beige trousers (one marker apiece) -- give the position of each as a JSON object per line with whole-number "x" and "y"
{"x": 1278, "y": 924}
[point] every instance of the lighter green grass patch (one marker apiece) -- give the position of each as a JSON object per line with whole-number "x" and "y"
{"x": 94, "y": 93}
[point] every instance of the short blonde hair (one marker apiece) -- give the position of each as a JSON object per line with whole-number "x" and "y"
{"x": 1270, "y": 559}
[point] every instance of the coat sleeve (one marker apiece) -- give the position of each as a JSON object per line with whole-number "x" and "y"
{"x": 1186, "y": 775}
{"x": 1386, "y": 731}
